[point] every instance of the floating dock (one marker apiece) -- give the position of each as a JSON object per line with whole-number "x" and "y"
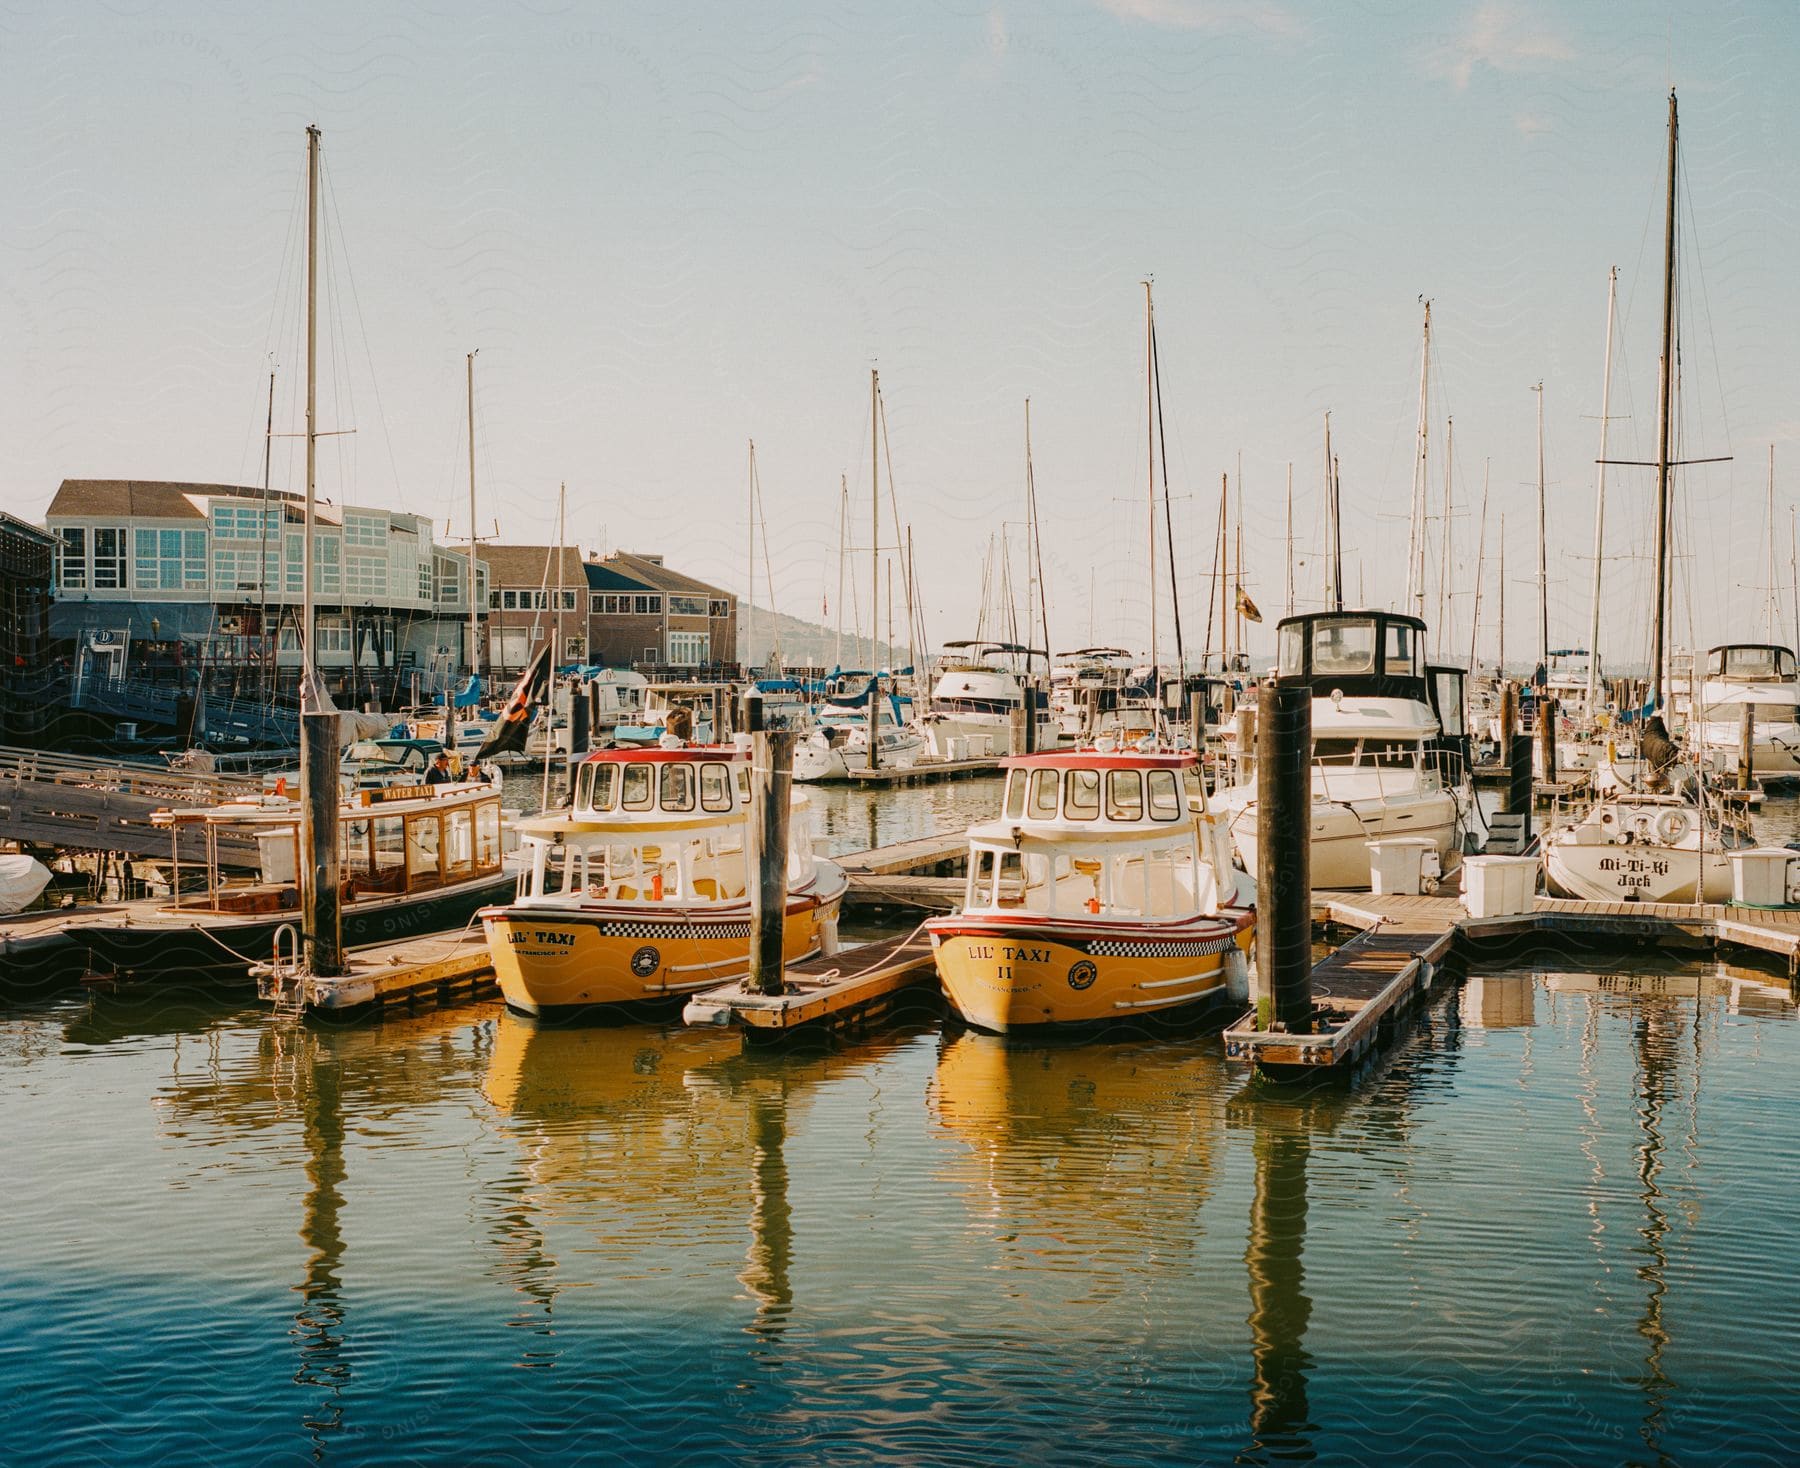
{"x": 444, "y": 969}
{"x": 1403, "y": 942}
{"x": 924, "y": 772}
{"x": 855, "y": 985}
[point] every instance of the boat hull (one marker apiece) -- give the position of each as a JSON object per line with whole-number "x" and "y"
{"x": 551, "y": 960}
{"x": 1005, "y": 975}
{"x": 1338, "y": 855}
{"x": 1634, "y": 873}
{"x": 222, "y": 948}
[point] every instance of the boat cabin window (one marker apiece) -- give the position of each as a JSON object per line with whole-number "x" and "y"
{"x": 459, "y": 848}
{"x": 422, "y": 842}
{"x": 1337, "y": 751}
{"x": 635, "y": 786}
{"x": 715, "y": 787}
{"x": 389, "y": 853}
{"x": 1343, "y": 645}
{"x": 1290, "y": 652}
{"x": 1165, "y": 796}
{"x": 355, "y": 836}
{"x": 1402, "y": 654}
{"x": 1124, "y": 795}
{"x": 1015, "y": 794}
{"x": 1768, "y": 664}
{"x": 487, "y": 834}
{"x": 1389, "y": 752}
{"x": 1043, "y": 795}
{"x": 1081, "y": 795}
{"x": 677, "y": 786}
{"x": 1450, "y": 703}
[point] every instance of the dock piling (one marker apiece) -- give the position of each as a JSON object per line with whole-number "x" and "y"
{"x": 771, "y": 791}
{"x": 1746, "y": 771}
{"x": 321, "y": 914}
{"x": 1546, "y": 728}
{"x": 1284, "y": 875}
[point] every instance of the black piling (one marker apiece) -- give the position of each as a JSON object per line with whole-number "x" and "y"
{"x": 1746, "y": 769}
{"x": 1546, "y": 731}
{"x": 321, "y": 911}
{"x": 1283, "y": 856}
{"x": 771, "y": 793}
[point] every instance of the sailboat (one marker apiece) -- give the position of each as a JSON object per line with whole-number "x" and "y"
{"x": 1639, "y": 844}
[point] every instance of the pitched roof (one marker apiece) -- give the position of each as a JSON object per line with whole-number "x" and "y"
{"x": 658, "y": 576}
{"x": 525, "y": 565}
{"x": 602, "y": 577}
{"x": 132, "y": 497}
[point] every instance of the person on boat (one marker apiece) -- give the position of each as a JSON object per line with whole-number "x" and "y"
{"x": 1659, "y": 750}
{"x": 439, "y": 773}
{"x": 678, "y": 728}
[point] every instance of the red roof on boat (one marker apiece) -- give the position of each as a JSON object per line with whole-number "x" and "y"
{"x": 1094, "y": 759}
{"x": 656, "y": 754}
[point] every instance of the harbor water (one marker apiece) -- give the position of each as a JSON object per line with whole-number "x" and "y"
{"x": 1549, "y": 1225}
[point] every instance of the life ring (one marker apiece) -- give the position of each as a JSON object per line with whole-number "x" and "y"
{"x": 1671, "y": 827}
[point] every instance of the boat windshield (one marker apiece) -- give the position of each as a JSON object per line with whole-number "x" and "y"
{"x": 1344, "y": 645}
{"x": 1760, "y": 664}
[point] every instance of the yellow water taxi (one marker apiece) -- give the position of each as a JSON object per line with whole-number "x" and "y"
{"x": 1099, "y": 894}
{"x": 640, "y": 890}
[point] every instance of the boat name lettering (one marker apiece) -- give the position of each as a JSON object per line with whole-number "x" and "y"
{"x": 558, "y": 940}
{"x": 1634, "y": 866}
{"x": 1010, "y": 953}
{"x": 398, "y": 792}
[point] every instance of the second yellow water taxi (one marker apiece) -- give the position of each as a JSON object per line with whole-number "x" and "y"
{"x": 1099, "y": 894}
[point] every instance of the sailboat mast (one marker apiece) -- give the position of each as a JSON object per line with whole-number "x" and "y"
{"x": 474, "y": 611}
{"x": 1664, "y": 383}
{"x": 875, "y": 526}
{"x": 1288, "y": 607}
{"x": 1443, "y": 606}
{"x": 1037, "y": 542}
{"x": 1150, "y": 457}
{"x": 270, "y": 645}
{"x": 1337, "y": 532}
{"x": 1543, "y": 577}
{"x": 1612, "y": 296}
{"x": 750, "y": 537}
{"x": 837, "y": 656}
{"x": 1774, "y": 612}
{"x": 1415, "y": 549}
{"x": 1331, "y": 596}
{"x": 1480, "y": 567}
{"x": 1500, "y": 665}
{"x": 312, "y": 399}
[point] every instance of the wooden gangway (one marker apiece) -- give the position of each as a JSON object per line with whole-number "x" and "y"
{"x": 74, "y": 803}
{"x": 443, "y": 968}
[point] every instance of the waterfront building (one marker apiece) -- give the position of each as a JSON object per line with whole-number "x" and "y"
{"x": 27, "y": 568}
{"x": 528, "y": 586}
{"x": 155, "y": 579}
{"x": 643, "y": 614}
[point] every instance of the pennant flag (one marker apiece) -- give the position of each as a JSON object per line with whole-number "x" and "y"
{"x": 513, "y": 725}
{"x": 1246, "y": 607}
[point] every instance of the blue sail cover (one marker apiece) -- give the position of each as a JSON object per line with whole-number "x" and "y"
{"x": 470, "y": 693}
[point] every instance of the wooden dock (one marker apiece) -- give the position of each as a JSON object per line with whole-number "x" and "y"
{"x": 445, "y": 969}
{"x": 924, "y": 772}
{"x": 1403, "y": 942}
{"x": 856, "y": 985}
{"x": 927, "y": 855}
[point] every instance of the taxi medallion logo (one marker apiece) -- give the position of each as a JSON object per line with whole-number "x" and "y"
{"x": 645, "y": 961}
{"x": 1082, "y": 974}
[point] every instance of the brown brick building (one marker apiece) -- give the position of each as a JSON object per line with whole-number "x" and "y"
{"x": 642, "y": 614}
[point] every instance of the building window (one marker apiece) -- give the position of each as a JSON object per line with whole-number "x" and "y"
{"x": 425, "y": 582}
{"x": 368, "y": 531}
{"x": 493, "y": 601}
{"x": 687, "y": 606}
{"x": 367, "y": 576}
{"x": 594, "y": 601}
{"x": 169, "y": 560}
{"x": 333, "y": 633}
{"x": 719, "y": 609}
{"x": 108, "y": 567}
{"x": 651, "y": 655}
{"x": 688, "y": 649}
{"x": 537, "y": 633}
{"x": 574, "y": 647}
{"x": 74, "y": 558}
{"x": 541, "y": 600}
{"x": 646, "y": 606}
{"x": 245, "y": 522}
{"x": 566, "y": 600}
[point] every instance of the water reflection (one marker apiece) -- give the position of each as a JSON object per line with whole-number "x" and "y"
{"x": 319, "y": 1326}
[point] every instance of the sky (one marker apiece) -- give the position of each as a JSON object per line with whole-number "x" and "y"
{"x": 672, "y": 230}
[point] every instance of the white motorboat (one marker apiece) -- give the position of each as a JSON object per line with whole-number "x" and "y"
{"x": 970, "y": 713}
{"x": 1390, "y": 755}
{"x": 1762, "y": 677}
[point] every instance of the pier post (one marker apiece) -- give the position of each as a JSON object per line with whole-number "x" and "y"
{"x": 771, "y": 794}
{"x": 1283, "y": 856}
{"x": 320, "y": 908}
{"x": 1016, "y": 722}
{"x": 1546, "y": 721}
{"x": 580, "y": 712}
{"x": 1245, "y": 719}
{"x": 1197, "y": 721}
{"x": 1746, "y": 770}
{"x": 1509, "y": 721}
{"x": 874, "y": 724}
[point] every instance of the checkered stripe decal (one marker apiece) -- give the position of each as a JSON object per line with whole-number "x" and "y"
{"x": 1107, "y": 948}
{"x": 670, "y": 932}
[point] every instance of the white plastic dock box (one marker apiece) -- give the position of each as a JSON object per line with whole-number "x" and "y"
{"x": 1397, "y": 865}
{"x": 1759, "y": 877}
{"x": 1498, "y": 886}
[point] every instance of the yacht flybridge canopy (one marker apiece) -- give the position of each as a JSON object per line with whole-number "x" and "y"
{"x": 1750, "y": 662}
{"x": 1378, "y": 654}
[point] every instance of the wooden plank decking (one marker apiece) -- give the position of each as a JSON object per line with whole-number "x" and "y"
{"x": 446, "y": 967}
{"x": 924, "y": 772}
{"x": 917, "y": 857}
{"x": 854, "y": 985}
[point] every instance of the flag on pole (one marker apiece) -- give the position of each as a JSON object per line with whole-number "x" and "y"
{"x": 509, "y": 734}
{"x": 1246, "y": 607}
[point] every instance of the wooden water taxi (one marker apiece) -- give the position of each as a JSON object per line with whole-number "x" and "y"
{"x": 640, "y": 890}
{"x": 1098, "y": 895}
